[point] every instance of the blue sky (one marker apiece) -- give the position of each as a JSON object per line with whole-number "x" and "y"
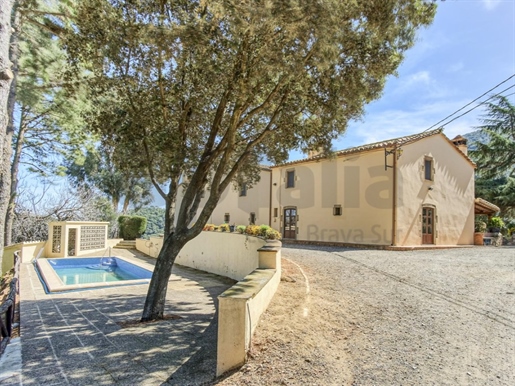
{"x": 469, "y": 48}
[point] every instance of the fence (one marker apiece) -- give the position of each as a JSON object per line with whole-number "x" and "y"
{"x": 8, "y": 306}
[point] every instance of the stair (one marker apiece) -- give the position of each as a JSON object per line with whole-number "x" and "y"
{"x": 126, "y": 244}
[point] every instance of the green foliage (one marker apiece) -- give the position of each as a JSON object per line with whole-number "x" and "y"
{"x": 496, "y": 223}
{"x": 131, "y": 227}
{"x": 296, "y": 73}
{"x": 495, "y": 158}
{"x": 224, "y": 228}
{"x": 480, "y": 226}
{"x": 155, "y": 219}
{"x": 198, "y": 93}
{"x": 96, "y": 169}
{"x": 241, "y": 228}
{"x": 252, "y": 230}
{"x": 51, "y": 121}
{"x": 269, "y": 233}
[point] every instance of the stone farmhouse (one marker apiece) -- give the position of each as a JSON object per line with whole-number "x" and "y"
{"x": 410, "y": 191}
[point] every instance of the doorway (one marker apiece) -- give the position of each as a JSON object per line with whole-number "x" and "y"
{"x": 428, "y": 228}
{"x": 290, "y": 223}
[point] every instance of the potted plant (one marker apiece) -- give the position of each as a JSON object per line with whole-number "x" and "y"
{"x": 479, "y": 229}
{"x": 495, "y": 224}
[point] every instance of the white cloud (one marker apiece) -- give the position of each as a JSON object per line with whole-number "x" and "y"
{"x": 395, "y": 123}
{"x": 456, "y": 67}
{"x": 491, "y": 4}
{"x": 420, "y": 83}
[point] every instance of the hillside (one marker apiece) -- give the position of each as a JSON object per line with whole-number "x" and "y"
{"x": 475, "y": 136}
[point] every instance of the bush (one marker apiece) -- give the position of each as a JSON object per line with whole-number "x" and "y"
{"x": 496, "y": 223}
{"x": 224, "y": 228}
{"x": 241, "y": 229}
{"x": 209, "y": 227}
{"x": 269, "y": 233}
{"x": 252, "y": 230}
{"x": 132, "y": 227}
{"x": 480, "y": 226}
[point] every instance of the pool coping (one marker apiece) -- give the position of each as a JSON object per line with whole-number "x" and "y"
{"x": 53, "y": 282}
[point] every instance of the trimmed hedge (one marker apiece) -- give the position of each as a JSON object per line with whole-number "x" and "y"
{"x": 132, "y": 227}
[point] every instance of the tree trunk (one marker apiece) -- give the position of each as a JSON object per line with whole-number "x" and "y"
{"x": 15, "y": 166}
{"x": 156, "y": 296}
{"x": 6, "y": 77}
{"x": 15, "y": 55}
{"x": 126, "y": 202}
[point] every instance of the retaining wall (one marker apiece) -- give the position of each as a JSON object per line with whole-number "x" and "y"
{"x": 252, "y": 261}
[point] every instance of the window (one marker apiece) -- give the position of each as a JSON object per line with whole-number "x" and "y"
{"x": 337, "y": 210}
{"x": 252, "y": 219}
{"x": 428, "y": 169}
{"x": 243, "y": 190}
{"x": 276, "y": 212}
{"x": 290, "y": 179}
{"x": 227, "y": 218}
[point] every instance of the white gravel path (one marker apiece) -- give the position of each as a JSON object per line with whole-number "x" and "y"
{"x": 441, "y": 317}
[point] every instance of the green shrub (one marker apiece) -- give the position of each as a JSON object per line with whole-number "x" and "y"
{"x": 241, "y": 229}
{"x": 480, "y": 226}
{"x": 496, "y": 223}
{"x": 263, "y": 231}
{"x": 132, "y": 227}
{"x": 224, "y": 228}
{"x": 252, "y": 230}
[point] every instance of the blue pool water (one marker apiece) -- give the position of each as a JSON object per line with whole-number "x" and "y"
{"x": 96, "y": 270}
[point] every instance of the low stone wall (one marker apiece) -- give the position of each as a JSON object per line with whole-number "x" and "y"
{"x": 28, "y": 251}
{"x": 241, "y": 306}
{"x": 226, "y": 254}
{"x": 254, "y": 262}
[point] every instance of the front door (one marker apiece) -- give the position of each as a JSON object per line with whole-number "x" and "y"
{"x": 290, "y": 223}
{"x": 428, "y": 228}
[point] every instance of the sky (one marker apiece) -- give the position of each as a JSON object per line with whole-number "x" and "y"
{"x": 469, "y": 48}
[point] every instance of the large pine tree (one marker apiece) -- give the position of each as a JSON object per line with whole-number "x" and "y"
{"x": 197, "y": 92}
{"x": 496, "y": 158}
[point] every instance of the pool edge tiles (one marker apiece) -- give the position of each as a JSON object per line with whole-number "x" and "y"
{"x": 53, "y": 282}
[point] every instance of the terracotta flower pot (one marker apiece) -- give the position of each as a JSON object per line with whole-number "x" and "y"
{"x": 478, "y": 238}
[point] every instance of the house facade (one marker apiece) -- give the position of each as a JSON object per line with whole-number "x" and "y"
{"x": 409, "y": 191}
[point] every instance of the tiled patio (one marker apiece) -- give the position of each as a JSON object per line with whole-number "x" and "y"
{"x": 76, "y": 338}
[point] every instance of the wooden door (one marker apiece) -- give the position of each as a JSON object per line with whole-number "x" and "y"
{"x": 290, "y": 223}
{"x": 428, "y": 228}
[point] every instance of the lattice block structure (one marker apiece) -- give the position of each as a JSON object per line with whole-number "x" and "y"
{"x": 76, "y": 238}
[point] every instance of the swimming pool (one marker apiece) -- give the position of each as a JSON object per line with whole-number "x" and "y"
{"x": 65, "y": 274}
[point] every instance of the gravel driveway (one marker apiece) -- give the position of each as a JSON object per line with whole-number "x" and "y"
{"x": 366, "y": 317}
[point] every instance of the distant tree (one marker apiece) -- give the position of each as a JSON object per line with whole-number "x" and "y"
{"x": 97, "y": 169}
{"x": 49, "y": 123}
{"x": 155, "y": 219}
{"x": 495, "y": 158}
{"x": 199, "y": 92}
{"x": 36, "y": 209}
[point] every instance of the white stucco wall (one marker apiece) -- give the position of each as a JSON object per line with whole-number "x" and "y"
{"x": 357, "y": 182}
{"x": 451, "y": 193}
{"x": 239, "y": 207}
{"x": 227, "y": 254}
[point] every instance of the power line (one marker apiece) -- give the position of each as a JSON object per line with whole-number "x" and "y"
{"x": 480, "y": 104}
{"x": 468, "y": 104}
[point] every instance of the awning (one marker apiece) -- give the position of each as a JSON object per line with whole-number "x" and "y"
{"x": 482, "y": 206}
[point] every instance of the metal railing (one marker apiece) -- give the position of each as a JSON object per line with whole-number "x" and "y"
{"x": 8, "y": 306}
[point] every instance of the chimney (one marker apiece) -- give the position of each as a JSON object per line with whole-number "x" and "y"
{"x": 461, "y": 143}
{"x": 315, "y": 153}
